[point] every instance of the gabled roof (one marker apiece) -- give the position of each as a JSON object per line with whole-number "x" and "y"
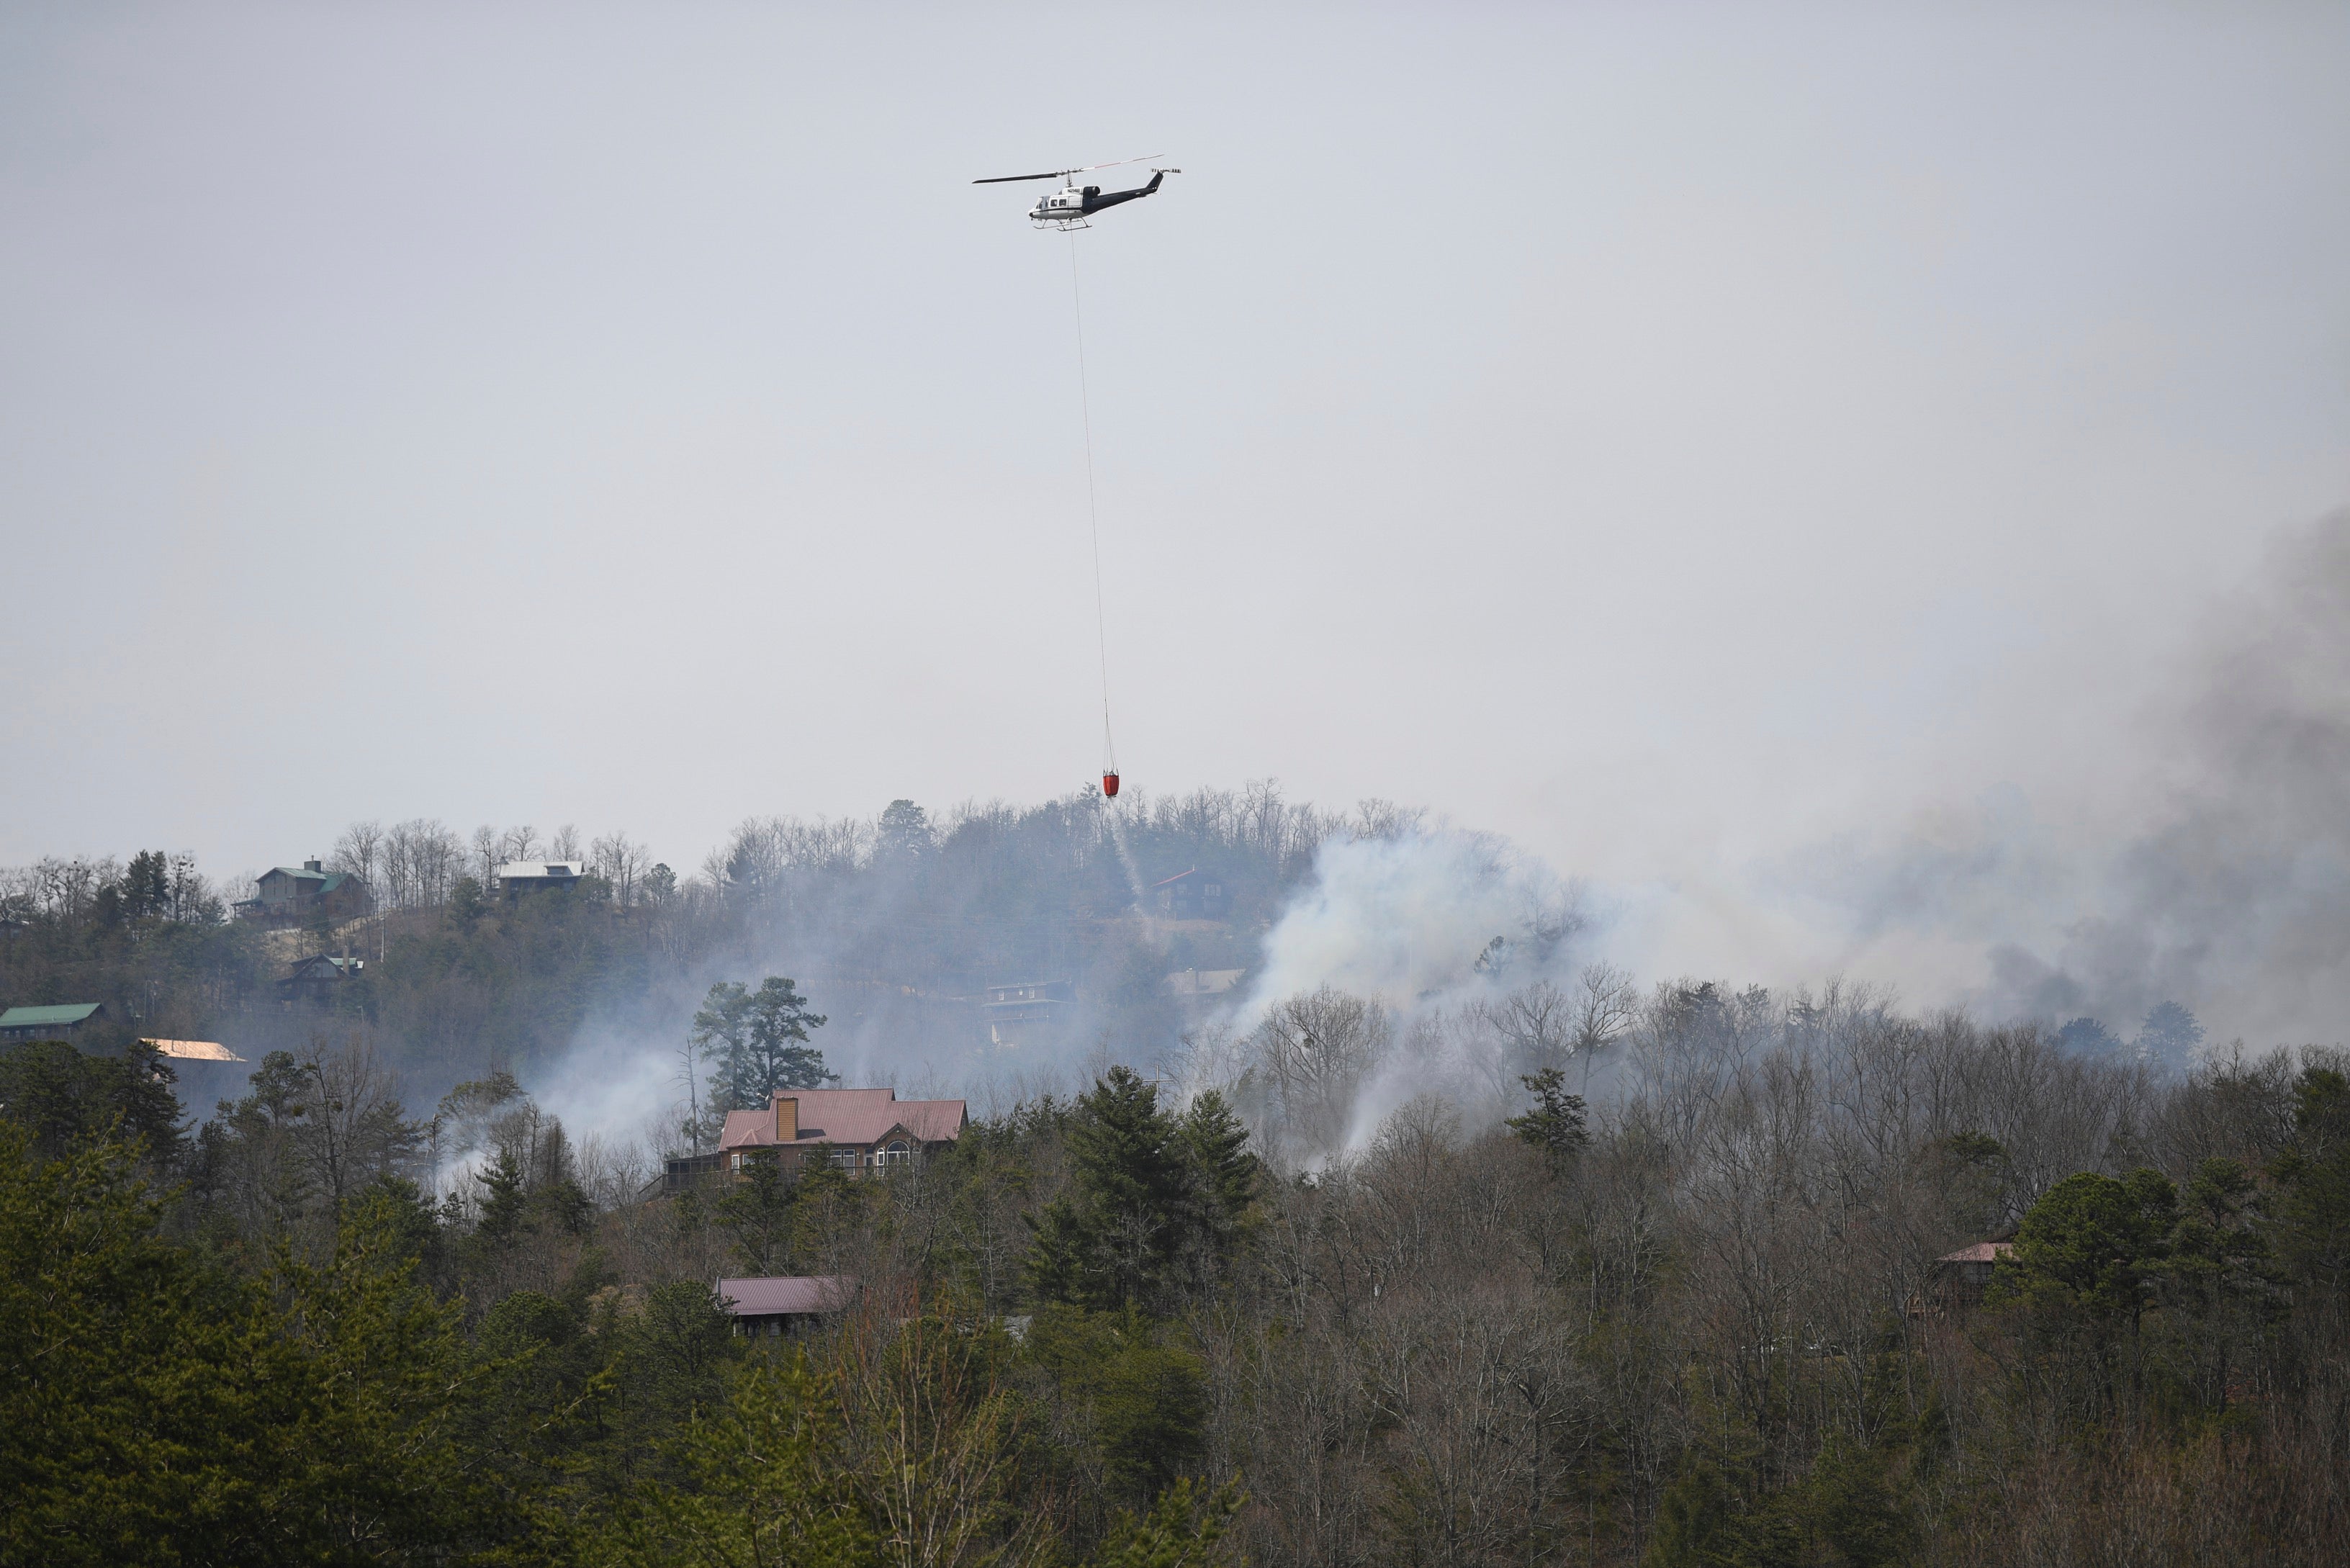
{"x": 1202, "y": 982}
{"x": 527, "y": 870}
{"x": 195, "y": 1050}
{"x": 848, "y": 1116}
{"x": 782, "y": 1293}
{"x": 1981, "y": 1252}
{"x": 50, "y": 1016}
{"x": 328, "y": 881}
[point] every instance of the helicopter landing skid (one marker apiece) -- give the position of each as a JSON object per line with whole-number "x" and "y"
{"x": 1066, "y": 226}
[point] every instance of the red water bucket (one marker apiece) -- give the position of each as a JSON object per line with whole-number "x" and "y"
{"x": 1109, "y": 785}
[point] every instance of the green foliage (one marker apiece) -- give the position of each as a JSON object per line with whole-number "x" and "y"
{"x": 1226, "y": 1179}
{"x": 59, "y": 1095}
{"x": 759, "y": 1211}
{"x": 507, "y": 981}
{"x": 1556, "y": 1127}
{"x": 2092, "y": 1246}
{"x": 2313, "y": 1174}
{"x": 2216, "y": 1252}
{"x": 1188, "y": 1527}
{"x": 902, "y": 832}
{"x": 153, "y": 1410}
{"x": 669, "y": 1360}
{"x": 1158, "y": 1200}
{"x": 758, "y": 1480}
{"x": 1693, "y": 1518}
{"x": 467, "y": 902}
{"x": 1847, "y": 1512}
{"x": 759, "y": 1041}
{"x": 1140, "y": 1401}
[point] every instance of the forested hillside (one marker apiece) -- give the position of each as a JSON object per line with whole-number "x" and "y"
{"x": 1699, "y": 1321}
{"x": 1548, "y": 1268}
{"x": 895, "y": 924}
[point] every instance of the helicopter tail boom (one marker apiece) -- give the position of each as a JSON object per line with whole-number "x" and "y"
{"x": 1095, "y": 204}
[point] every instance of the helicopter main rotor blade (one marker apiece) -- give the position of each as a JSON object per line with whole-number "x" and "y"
{"x": 1056, "y": 173}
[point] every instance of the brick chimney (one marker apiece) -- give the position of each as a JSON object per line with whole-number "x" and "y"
{"x": 787, "y": 1119}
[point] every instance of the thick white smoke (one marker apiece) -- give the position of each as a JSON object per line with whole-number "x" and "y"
{"x": 1410, "y": 920}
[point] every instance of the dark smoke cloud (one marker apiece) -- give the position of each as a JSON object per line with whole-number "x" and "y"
{"x": 2224, "y": 881}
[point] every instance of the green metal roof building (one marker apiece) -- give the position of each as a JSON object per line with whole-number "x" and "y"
{"x": 58, "y": 1022}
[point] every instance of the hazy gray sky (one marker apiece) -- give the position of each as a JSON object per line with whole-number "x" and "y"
{"x": 1668, "y": 435}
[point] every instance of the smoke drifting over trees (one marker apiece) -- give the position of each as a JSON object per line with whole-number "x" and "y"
{"x": 2213, "y": 873}
{"x": 1430, "y": 1225}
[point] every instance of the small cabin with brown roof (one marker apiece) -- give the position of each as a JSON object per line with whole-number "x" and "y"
{"x": 1956, "y": 1281}
{"x": 778, "y": 1304}
{"x": 856, "y": 1131}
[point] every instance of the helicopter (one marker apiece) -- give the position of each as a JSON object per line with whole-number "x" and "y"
{"x": 1069, "y": 207}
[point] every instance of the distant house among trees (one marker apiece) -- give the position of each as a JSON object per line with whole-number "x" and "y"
{"x": 1027, "y": 1011}
{"x": 1193, "y": 895}
{"x": 517, "y": 878}
{"x": 60, "y": 1022}
{"x": 779, "y": 1304}
{"x": 1186, "y": 983}
{"x": 1194, "y": 990}
{"x": 289, "y": 894}
{"x": 1958, "y": 1280}
{"x": 315, "y": 978}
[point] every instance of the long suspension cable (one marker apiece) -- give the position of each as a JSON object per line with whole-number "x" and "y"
{"x": 1093, "y": 507}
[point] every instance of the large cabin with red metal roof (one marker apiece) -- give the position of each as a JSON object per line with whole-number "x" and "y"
{"x": 852, "y": 1130}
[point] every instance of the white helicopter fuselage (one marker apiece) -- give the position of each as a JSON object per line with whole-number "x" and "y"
{"x": 1064, "y": 206}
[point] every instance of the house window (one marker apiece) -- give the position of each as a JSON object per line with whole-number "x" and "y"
{"x": 844, "y": 1159}
{"x": 738, "y": 1162}
{"x": 896, "y": 1154}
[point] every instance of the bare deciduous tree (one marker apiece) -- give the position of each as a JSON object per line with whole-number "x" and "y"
{"x": 1316, "y": 1049}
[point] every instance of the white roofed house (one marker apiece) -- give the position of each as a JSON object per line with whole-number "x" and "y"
{"x": 518, "y": 878}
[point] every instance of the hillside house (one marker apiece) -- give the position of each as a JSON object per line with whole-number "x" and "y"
{"x": 289, "y": 894}
{"x": 779, "y": 1304}
{"x": 315, "y": 977}
{"x": 521, "y": 879}
{"x": 60, "y": 1022}
{"x": 1198, "y": 990}
{"x": 1956, "y": 1281}
{"x": 1193, "y": 895}
{"x": 1028, "y": 1011}
{"x": 855, "y": 1131}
